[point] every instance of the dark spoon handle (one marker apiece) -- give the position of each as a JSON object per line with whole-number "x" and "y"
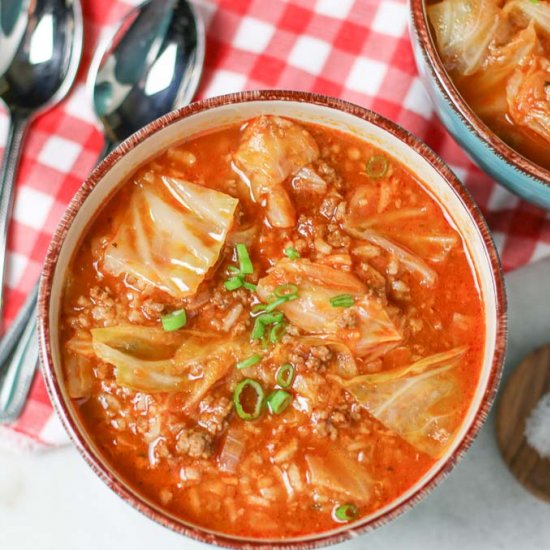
{"x": 8, "y": 172}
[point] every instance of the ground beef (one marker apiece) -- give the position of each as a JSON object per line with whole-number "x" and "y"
{"x": 348, "y": 319}
{"x": 327, "y": 422}
{"x": 213, "y": 413}
{"x": 336, "y": 237}
{"x": 194, "y": 443}
{"x": 318, "y": 358}
{"x": 329, "y": 174}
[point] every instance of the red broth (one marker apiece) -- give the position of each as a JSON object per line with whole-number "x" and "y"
{"x": 361, "y": 288}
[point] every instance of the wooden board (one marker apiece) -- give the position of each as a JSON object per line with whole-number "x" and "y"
{"x": 529, "y": 382}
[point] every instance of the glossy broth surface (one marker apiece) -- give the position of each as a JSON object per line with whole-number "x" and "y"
{"x": 380, "y": 320}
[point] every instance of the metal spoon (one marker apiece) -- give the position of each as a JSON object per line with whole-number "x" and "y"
{"x": 151, "y": 65}
{"x": 40, "y": 49}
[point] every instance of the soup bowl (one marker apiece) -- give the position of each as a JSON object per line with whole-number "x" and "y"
{"x": 332, "y": 113}
{"x": 508, "y": 167}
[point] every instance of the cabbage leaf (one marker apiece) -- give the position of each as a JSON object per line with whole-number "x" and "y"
{"x": 339, "y": 474}
{"x": 464, "y": 30}
{"x": 420, "y": 402}
{"x": 171, "y": 234}
{"x": 528, "y": 95}
{"x": 271, "y": 150}
{"x": 313, "y": 312}
{"x": 185, "y": 361}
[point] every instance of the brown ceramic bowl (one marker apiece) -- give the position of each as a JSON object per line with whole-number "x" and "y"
{"x": 213, "y": 113}
{"x": 489, "y": 152}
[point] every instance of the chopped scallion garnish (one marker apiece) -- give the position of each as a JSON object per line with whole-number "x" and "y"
{"x": 233, "y": 269}
{"x": 174, "y": 321}
{"x": 377, "y": 167}
{"x": 346, "y": 512}
{"x": 251, "y": 361}
{"x": 239, "y": 405}
{"x": 277, "y": 332}
{"x": 258, "y": 331}
{"x": 245, "y": 263}
{"x": 283, "y": 291}
{"x": 249, "y": 286}
{"x": 234, "y": 283}
{"x": 342, "y": 300}
{"x": 291, "y": 253}
{"x": 285, "y": 375}
{"x": 278, "y": 401}
{"x": 279, "y": 302}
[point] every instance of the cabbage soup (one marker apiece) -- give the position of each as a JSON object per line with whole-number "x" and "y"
{"x": 272, "y": 329}
{"x": 498, "y": 54}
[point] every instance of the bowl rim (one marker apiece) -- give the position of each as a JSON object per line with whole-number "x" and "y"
{"x": 420, "y": 26}
{"x": 106, "y": 473}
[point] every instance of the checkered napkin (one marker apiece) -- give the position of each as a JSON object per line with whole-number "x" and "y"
{"x": 357, "y": 50}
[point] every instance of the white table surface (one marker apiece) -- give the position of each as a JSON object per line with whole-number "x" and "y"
{"x": 52, "y": 501}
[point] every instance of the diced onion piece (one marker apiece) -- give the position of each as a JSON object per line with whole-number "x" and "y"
{"x": 307, "y": 179}
{"x": 232, "y": 451}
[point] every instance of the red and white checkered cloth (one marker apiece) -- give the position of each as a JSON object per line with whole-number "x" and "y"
{"x": 357, "y": 50}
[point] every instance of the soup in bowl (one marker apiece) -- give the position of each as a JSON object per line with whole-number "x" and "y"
{"x": 486, "y": 65}
{"x": 272, "y": 318}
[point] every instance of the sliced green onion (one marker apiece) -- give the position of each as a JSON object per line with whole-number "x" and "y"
{"x": 291, "y": 253}
{"x": 278, "y": 401}
{"x": 285, "y": 375}
{"x": 258, "y": 330}
{"x": 283, "y": 291}
{"x": 234, "y": 283}
{"x": 377, "y": 167}
{"x": 249, "y": 286}
{"x": 342, "y": 300}
{"x": 238, "y": 393}
{"x": 233, "y": 269}
{"x": 245, "y": 363}
{"x": 244, "y": 260}
{"x": 279, "y": 302}
{"x": 174, "y": 321}
{"x": 346, "y": 512}
{"x": 277, "y": 332}
{"x": 270, "y": 318}
{"x": 258, "y": 307}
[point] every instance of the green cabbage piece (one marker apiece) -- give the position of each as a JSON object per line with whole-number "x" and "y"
{"x": 171, "y": 234}
{"x": 420, "y": 402}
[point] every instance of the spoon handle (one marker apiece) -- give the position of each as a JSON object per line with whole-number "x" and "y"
{"x": 19, "y": 375}
{"x": 8, "y": 173}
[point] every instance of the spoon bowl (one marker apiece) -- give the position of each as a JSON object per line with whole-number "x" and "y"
{"x": 40, "y": 50}
{"x": 41, "y": 45}
{"x": 151, "y": 65}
